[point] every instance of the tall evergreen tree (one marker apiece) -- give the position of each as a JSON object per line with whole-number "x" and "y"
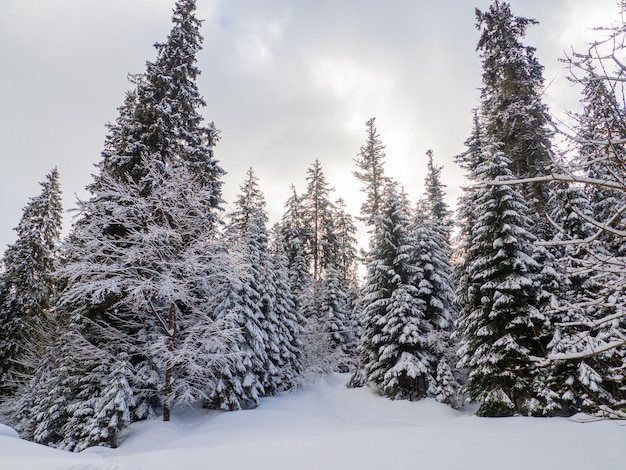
{"x": 502, "y": 327}
{"x": 319, "y": 221}
{"x": 591, "y": 382}
{"x": 142, "y": 265}
{"x": 506, "y": 281}
{"x": 239, "y": 382}
{"x": 511, "y": 101}
{"x": 395, "y": 351}
{"x": 291, "y": 323}
{"x": 602, "y": 120}
{"x": 431, "y": 231}
{"x": 335, "y": 314}
{"x": 248, "y": 224}
{"x": 294, "y": 235}
{"x": 346, "y": 252}
{"x": 161, "y": 117}
{"x": 370, "y": 163}
{"x": 434, "y": 197}
{"x": 28, "y": 281}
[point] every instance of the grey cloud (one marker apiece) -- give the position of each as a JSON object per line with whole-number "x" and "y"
{"x": 285, "y": 81}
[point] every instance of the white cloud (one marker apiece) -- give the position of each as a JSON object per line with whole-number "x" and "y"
{"x": 287, "y": 81}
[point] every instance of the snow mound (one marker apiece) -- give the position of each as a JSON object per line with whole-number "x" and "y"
{"x": 7, "y": 431}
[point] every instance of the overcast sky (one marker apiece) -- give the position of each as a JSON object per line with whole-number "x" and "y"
{"x": 286, "y": 81}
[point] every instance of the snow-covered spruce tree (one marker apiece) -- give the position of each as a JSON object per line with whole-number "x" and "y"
{"x": 370, "y": 163}
{"x": 511, "y": 104}
{"x": 370, "y": 171}
{"x": 511, "y": 128}
{"x": 248, "y": 223}
{"x": 264, "y": 341}
{"x": 469, "y": 161}
{"x": 347, "y": 255}
{"x": 602, "y": 120}
{"x": 431, "y": 231}
{"x": 237, "y": 383}
{"x": 318, "y": 221}
{"x": 502, "y": 327}
{"x": 326, "y": 300}
{"x": 98, "y": 405}
{"x": 395, "y": 350}
{"x": 291, "y": 323}
{"x": 141, "y": 262}
{"x": 162, "y": 116}
{"x": 148, "y": 291}
{"x": 589, "y": 383}
{"x": 345, "y": 263}
{"x": 434, "y": 198}
{"x": 336, "y": 318}
{"x": 28, "y": 282}
{"x": 596, "y": 162}
{"x": 111, "y": 409}
{"x": 294, "y": 236}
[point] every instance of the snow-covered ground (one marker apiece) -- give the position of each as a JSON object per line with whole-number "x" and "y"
{"x": 328, "y": 426}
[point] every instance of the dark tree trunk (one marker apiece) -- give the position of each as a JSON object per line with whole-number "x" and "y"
{"x": 167, "y": 388}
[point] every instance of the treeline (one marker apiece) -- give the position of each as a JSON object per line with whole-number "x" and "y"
{"x": 157, "y": 297}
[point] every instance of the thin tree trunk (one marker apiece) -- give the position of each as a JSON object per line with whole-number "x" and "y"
{"x": 167, "y": 388}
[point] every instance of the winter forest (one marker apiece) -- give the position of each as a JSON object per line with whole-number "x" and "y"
{"x": 513, "y": 301}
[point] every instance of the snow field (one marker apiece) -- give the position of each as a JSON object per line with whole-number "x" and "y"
{"x": 328, "y": 426}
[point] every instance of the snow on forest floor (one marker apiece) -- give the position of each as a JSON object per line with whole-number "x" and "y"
{"x": 327, "y": 426}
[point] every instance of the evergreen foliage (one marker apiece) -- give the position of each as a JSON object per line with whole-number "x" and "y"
{"x": 28, "y": 282}
{"x": 370, "y": 163}
{"x": 291, "y": 323}
{"x": 435, "y": 289}
{"x": 321, "y": 242}
{"x": 294, "y": 234}
{"x": 584, "y": 384}
{"x": 142, "y": 267}
{"x": 502, "y": 326}
{"x": 507, "y": 281}
{"x": 154, "y": 301}
{"x": 395, "y": 352}
{"x": 511, "y": 101}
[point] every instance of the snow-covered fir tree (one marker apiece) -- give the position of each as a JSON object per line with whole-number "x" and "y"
{"x": 319, "y": 239}
{"x": 602, "y": 120}
{"x": 162, "y": 115}
{"x": 28, "y": 283}
{"x": 593, "y": 381}
{"x": 265, "y": 311}
{"x": 248, "y": 224}
{"x": 516, "y": 275}
{"x": 238, "y": 383}
{"x": 142, "y": 265}
{"x": 336, "y": 316}
{"x": 370, "y": 172}
{"x": 431, "y": 228}
{"x": 291, "y": 323}
{"x": 434, "y": 197}
{"x": 395, "y": 349}
{"x": 511, "y": 102}
{"x": 502, "y": 326}
{"x": 346, "y": 257}
{"x": 153, "y": 290}
{"x": 294, "y": 235}
{"x": 318, "y": 221}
